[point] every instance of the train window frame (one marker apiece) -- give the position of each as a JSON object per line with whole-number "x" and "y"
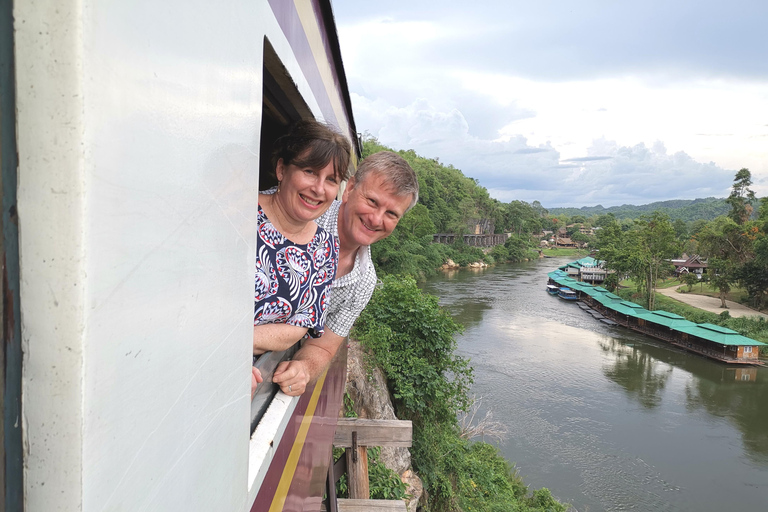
{"x": 266, "y": 391}
{"x": 282, "y": 105}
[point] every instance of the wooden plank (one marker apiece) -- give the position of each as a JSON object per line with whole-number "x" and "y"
{"x": 396, "y": 433}
{"x": 357, "y": 473}
{"x": 374, "y": 505}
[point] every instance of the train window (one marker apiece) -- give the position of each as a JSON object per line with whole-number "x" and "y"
{"x": 282, "y": 105}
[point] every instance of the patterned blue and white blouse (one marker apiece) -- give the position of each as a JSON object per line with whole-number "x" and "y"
{"x": 293, "y": 281}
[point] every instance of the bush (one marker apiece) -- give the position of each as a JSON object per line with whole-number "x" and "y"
{"x": 411, "y": 339}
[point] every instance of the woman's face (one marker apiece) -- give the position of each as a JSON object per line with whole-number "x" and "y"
{"x": 306, "y": 193}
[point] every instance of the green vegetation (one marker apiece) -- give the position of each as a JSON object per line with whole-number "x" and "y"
{"x": 383, "y": 483}
{"x": 641, "y": 253}
{"x": 564, "y": 252}
{"x": 735, "y": 246}
{"x": 677, "y": 209}
{"x": 450, "y": 202}
{"x": 412, "y": 339}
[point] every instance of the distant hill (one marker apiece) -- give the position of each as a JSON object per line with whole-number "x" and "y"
{"x": 685, "y": 209}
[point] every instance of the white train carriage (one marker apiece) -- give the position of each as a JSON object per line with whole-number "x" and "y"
{"x": 133, "y": 136}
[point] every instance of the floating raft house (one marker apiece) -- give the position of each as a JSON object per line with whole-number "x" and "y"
{"x": 713, "y": 341}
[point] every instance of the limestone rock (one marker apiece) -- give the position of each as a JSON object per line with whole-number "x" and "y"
{"x": 449, "y": 265}
{"x": 367, "y": 387}
{"x": 415, "y": 489}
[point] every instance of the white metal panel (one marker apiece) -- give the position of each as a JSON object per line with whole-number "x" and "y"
{"x": 173, "y": 105}
{"x": 138, "y": 136}
{"x": 138, "y": 143}
{"x": 50, "y": 202}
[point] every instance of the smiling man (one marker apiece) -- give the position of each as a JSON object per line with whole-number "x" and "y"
{"x": 376, "y": 198}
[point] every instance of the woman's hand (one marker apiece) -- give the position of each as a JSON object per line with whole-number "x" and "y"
{"x": 256, "y": 379}
{"x": 292, "y": 377}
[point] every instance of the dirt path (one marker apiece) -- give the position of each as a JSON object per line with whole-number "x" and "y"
{"x": 711, "y": 304}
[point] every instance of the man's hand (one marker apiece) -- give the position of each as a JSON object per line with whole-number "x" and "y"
{"x": 308, "y": 363}
{"x": 292, "y": 377}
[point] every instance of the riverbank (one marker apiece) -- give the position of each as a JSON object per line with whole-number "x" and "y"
{"x": 606, "y": 418}
{"x": 711, "y": 304}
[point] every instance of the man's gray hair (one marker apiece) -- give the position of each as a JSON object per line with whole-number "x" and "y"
{"x": 394, "y": 170}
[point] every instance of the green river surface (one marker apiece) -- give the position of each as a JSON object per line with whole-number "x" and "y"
{"x": 606, "y": 418}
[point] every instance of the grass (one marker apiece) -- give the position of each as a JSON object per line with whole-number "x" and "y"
{"x": 668, "y": 283}
{"x": 565, "y": 251}
{"x": 736, "y": 294}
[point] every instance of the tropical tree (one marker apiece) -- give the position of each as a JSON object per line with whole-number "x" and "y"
{"x": 741, "y": 197}
{"x": 641, "y": 253}
{"x": 681, "y": 229}
{"x": 728, "y": 247}
{"x": 753, "y": 275}
{"x": 416, "y": 223}
{"x": 690, "y": 279}
{"x": 656, "y": 243}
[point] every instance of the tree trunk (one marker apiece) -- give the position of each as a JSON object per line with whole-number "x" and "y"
{"x": 722, "y": 300}
{"x": 650, "y": 286}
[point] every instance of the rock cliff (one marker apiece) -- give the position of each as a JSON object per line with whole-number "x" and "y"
{"x": 367, "y": 387}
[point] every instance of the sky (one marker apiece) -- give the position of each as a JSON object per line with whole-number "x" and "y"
{"x": 571, "y": 103}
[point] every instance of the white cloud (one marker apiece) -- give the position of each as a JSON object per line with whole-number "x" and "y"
{"x": 508, "y": 103}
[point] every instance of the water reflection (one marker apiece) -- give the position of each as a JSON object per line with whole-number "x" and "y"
{"x": 642, "y": 376}
{"x": 722, "y": 391}
{"x": 470, "y": 312}
{"x": 742, "y": 403}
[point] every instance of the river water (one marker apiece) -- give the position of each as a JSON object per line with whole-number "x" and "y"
{"x": 607, "y": 419}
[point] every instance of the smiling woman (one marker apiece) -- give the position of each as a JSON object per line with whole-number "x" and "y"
{"x": 297, "y": 260}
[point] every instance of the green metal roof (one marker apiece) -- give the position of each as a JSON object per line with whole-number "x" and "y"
{"x": 602, "y": 299}
{"x": 587, "y": 261}
{"x": 627, "y": 308}
{"x": 717, "y": 334}
{"x": 711, "y": 332}
{"x": 667, "y": 314}
{"x": 591, "y": 291}
{"x": 667, "y": 319}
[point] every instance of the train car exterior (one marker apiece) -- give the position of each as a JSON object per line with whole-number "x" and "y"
{"x": 135, "y": 136}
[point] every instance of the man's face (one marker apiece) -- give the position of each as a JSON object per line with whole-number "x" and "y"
{"x": 371, "y": 210}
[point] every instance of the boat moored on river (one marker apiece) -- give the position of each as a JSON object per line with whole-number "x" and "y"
{"x": 566, "y": 293}
{"x": 552, "y": 289}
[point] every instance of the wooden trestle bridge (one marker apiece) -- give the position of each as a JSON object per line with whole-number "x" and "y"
{"x": 472, "y": 240}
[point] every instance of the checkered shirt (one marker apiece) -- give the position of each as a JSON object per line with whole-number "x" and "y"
{"x": 350, "y": 293}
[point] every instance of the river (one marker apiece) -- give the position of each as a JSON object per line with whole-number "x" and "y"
{"x": 606, "y": 418}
